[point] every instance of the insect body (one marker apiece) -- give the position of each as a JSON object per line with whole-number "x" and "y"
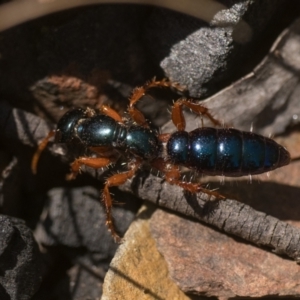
{"x": 208, "y": 150}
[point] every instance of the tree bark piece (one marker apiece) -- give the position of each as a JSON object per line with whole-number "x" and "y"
{"x": 230, "y": 216}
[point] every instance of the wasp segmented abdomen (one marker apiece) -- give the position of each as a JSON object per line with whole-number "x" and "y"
{"x": 230, "y": 154}
{"x": 227, "y": 152}
{"x": 178, "y": 147}
{"x": 254, "y": 152}
{"x": 203, "y": 145}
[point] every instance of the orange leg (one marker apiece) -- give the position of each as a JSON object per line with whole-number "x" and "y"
{"x": 93, "y": 162}
{"x": 116, "y": 180}
{"x": 104, "y": 151}
{"x": 172, "y": 176}
{"x": 106, "y": 110}
{"x": 39, "y": 150}
{"x": 178, "y": 118}
{"x": 139, "y": 92}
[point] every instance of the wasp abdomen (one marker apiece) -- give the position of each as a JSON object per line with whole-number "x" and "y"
{"x": 228, "y": 152}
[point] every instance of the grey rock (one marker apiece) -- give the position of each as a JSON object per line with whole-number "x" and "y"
{"x": 20, "y": 261}
{"x": 201, "y": 55}
{"x": 75, "y": 218}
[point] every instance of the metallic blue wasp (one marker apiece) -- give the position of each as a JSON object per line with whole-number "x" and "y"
{"x": 208, "y": 150}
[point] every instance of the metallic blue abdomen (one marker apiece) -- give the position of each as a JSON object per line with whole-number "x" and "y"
{"x": 228, "y": 152}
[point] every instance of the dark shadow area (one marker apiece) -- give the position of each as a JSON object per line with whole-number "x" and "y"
{"x": 145, "y": 290}
{"x": 278, "y": 200}
{"x": 86, "y": 42}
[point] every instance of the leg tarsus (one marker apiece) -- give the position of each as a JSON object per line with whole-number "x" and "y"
{"x": 116, "y": 180}
{"x": 139, "y": 92}
{"x": 172, "y": 175}
{"x": 177, "y": 114}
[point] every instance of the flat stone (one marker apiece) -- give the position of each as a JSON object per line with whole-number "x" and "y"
{"x": 138, "y": 271}
{"x": 76, "y": 218}
{"x": 204, "y": 261}
{"x": 87, "y": 275}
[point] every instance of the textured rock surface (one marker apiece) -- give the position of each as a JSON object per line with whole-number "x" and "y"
{"x": 21, "y": 266}
{"x": 87, "y": 275}
{"x": 76, "y": 218}
{"x": 203, "y": 261}
{"x": 201, "y": 56}
{"x": 138, "y": 271}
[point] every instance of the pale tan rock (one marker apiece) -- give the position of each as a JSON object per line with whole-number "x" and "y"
{"x": 138, "y": 271}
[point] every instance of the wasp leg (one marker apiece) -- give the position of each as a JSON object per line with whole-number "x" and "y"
{"x": 116, "y": 180}
{"x": 178, "y": 118}
{"x": 93, "y": 162}
{"x": 106, "y": 110}
{"x": 172, "y": 175}
{"x": 39, "y": 150}
{"x": 139, "y": 92}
